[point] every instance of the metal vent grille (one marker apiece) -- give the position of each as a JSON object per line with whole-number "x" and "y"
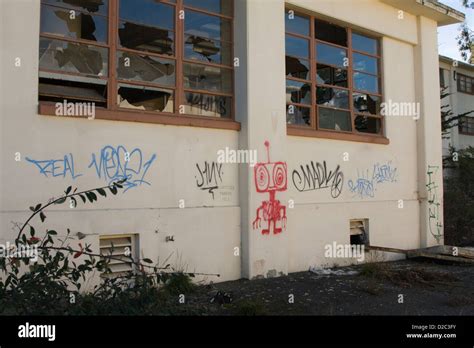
{"x": 358, "y": 227}
{"x": 122, "y": 249}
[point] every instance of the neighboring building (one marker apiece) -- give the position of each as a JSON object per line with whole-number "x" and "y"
{"x": 171, "y": 91}
{"x": 458, "y": 80}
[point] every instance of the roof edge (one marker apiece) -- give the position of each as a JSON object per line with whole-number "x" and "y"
{"x": 460, "y": 63}
{"x": 441, "y": 13}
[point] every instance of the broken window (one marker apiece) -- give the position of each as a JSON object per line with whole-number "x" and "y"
{"x": 145, "y": 98}
{"x": 359, "y": 232}
{"x": 345, "y": 84}
{"x": 136, "y": 65}
{"x": 207, "y": 105}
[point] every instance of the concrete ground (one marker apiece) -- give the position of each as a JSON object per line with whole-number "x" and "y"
{"x": 392, "y": 288}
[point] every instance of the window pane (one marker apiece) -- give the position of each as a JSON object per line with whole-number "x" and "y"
{"x": 217, "y": 6}
{"x": 364, "y": 44}
{"x": 298, "y": 115}
{"x": 207, "y": 78}
{"x": 57, "y": 89}
{"x": 135, "y": 67}
{"x": 205, "y": 26}
{"x": 72, "y": 57}
{"x": 145, "y": 98}
{"x": 331, "y": 33}
{"x": 297, "y": 24}
{"x": 139, "y": 37}
{"x": 364, "y": 82}
{"x": 331, "y": 76}
{"x": 330, "y": 55}
{"x": 92, "y": 6}
{"x": 338, "y": 98}
{"x": 207, "y": 105}
{"x": 334, "y": 119}
{"x": 366, "y": 103}
{"x": 365, "y": 63}
{"x": 206, "y": 50}
{"x": 297, "y": 47}
{"x": 298, "y": 68}
{"x": 148, "y": 12}
{"x": 441, "y": 77}
{"x": 298, "y": 92}
{"x": 84, "y": 26}
{"x": 365, "y": 124}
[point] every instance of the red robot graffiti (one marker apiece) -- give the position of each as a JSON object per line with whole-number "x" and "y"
{"x": 270, "y": 177}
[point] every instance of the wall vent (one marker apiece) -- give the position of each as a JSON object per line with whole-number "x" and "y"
{"x": 359, "y": 231}
{"x": 123, "y": 249}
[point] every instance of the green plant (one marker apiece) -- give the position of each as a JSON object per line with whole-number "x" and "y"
{"x": 459, "y": 198}
{"x": 249, "y": 308}
{"x": 180, "y": 283}
{"x": 51, "y": 283}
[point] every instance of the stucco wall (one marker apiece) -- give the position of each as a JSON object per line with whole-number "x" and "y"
{"x": 207, "y": 229}
{"x": 318, "y": 218}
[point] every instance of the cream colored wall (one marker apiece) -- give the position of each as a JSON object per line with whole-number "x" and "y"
{"x": 207, "y": 230}
{"x": 320, "y": 219}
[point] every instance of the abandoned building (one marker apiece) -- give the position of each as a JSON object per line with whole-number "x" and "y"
{"x": 338, "y": 99}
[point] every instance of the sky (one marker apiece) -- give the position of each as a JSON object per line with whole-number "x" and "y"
{"x": 447, "y": 43}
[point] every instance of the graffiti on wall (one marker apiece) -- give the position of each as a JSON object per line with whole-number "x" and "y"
{"x": 63, "y": 167}
{"x": 210, "y": 176}
{"x": 270, "y": 177}
{"x": 367, "y": 181}
{"x": 110, "y": 164}
{"x": 315, "y": 176}
{"x": 434, "y": 204}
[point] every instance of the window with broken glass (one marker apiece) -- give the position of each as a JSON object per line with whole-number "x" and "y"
{"x": 146, "y": 57}
{"x": 333, "y": 80}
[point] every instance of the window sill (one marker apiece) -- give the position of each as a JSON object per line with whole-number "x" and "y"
{"x": 49, "y": 109}
{"x": 362, "y": 138}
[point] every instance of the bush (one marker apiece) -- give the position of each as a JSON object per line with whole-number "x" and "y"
{"x": 51, "y": 284}
{"x": 459, "y": 199}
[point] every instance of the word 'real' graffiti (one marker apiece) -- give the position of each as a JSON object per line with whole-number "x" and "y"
{"x": 56, "y": 167}
{"x": 270, "y": 177}
{"x": 434, "y": 222}
{"x": 112, "y": 164}
{"x": 366, "y": 183}
{"x": 210, "y": 176}
{"x": 116, "y": 163}
{"x": 315, "y": 176}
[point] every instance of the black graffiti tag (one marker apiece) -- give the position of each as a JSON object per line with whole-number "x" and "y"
{"x": 315, "y": 176}
{"x": 210, "y": 176}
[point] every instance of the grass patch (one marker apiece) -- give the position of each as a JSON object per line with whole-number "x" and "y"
{"x": 459, "y": 301}
{"x": 179, "y": 283}
{"x": 249, "y": 308}
{"x": 372, "y": 288}
{"x": 405, "y": 277}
